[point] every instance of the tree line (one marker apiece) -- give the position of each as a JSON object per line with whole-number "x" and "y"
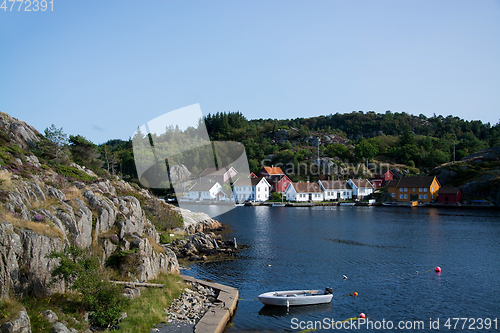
{"x": 417, "y": 141}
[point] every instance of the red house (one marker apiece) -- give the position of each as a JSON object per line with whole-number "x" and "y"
{"x": 377, "y": 183}
{"x": 449, "y": 195}
{"x": 279, "y": 183}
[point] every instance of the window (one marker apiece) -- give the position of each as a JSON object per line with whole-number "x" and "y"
{"x": 400, "y": 196}
{"x": 258, "y": 189}
{"x": 425, "y": 196}
{"x": 406, "y": 189}
{"x": 400, "y": 189}
{"x": 414, "y": 189}
{"x": 420, "y": 189}
{"x": 393, "y": 195}
{"x": 425, "y": 189}
{"x": 406, "y": 196}
{"x": 420, "y": 196}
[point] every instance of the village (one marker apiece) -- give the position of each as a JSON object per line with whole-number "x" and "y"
{"x": 227, "y": 186}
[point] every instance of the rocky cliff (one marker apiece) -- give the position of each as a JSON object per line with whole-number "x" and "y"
{"x": 43, "y": 209}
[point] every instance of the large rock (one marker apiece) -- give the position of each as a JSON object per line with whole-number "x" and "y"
{"x": 59, "y": 328}
{"x": 152, "y": 263}
{"x": 106, "y": 211}
{"x": 10, "y": 254}
{"x": 19, "y": 132}
{"x": 34, "y": 267}
{"x": 21, "y": 325}
{"x": 195, "y": 221}
{"x": 202, "y": 242}
{"x": 50, "y": 316}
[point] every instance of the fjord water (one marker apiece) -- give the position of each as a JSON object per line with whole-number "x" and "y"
{"x": 379, "y": 249}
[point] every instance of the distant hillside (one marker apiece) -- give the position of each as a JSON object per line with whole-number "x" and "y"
{"x": 397, "y": 138}
{"x": 478, "y": 175}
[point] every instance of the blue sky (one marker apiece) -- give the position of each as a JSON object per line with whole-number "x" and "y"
{"x": 103, "y": 68}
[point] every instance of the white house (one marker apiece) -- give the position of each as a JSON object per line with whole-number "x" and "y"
{"x": 336, "y": 189}
{"x": 361, "y": 187}
{"x": 300, "y": 192}
{"x": 225, "y": 196}
{"x": 204, "y": 191}
{"x": 255, "y": 189}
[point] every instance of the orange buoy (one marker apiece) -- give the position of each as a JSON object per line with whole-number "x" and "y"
{"x": 355, "y": 294}
{"x": 437, "y": 269}
{"x": 362, "y": 315}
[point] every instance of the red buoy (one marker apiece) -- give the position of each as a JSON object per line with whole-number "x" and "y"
{"x": 355, "y": 293}
{"x": 362, "y": 315}
{"x": 437, "y": 269}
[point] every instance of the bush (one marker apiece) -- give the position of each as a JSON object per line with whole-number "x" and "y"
{"x": 84, "y": 274}
{"x": 72, "y": 172}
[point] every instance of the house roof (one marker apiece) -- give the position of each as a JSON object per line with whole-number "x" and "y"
{"x": 276, "y": 178}
{"x": 335, "y": 185}
{"x": 307, "y": 187}
{"x": 203, "y": 186}
{"x": 393, "y": 183}
{"x": 362, "y": 183}
{"x": 274, "y": 170}
{"x": 424, "y": 181}
{"x": 248, "y": 181}
{"x": 225, "y": 192}
{"x": 214, "y": 171}
{"x": 449, "y": 190}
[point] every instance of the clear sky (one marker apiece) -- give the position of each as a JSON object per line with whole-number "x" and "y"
{"x": 103, "y": 68}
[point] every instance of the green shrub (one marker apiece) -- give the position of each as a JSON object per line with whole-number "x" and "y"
{"x": 72, "y": 172}
{"x": 84, "y": 275}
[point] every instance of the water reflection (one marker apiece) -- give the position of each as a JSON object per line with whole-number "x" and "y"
{"x": 294, "y": 311}
{"x": 379, "y": 249}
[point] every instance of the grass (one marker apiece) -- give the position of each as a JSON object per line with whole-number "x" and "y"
{"x": 73, "y": 193}
{"x": 9, "y": 310}
{"x": 148, "y": 310}
{"x": 72, "y": 172}
{"x": 45, "y": 229}
{"x": 66, "y": 307}
{"x": 156, "y": 247}
{"x": 5, "y": 180}
{"x": 165, "y": 237}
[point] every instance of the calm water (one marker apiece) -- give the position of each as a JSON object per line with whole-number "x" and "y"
{"x": 379, "y": 249}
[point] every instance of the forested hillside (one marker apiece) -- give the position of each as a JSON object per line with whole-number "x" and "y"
{"x": 418, "y": 142}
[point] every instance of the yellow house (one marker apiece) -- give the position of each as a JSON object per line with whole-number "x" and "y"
{"x": 407, "y": 189}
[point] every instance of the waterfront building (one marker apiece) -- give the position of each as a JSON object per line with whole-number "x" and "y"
{"x": 300, "y": 192}
{"x": 361, "y": 188}
{"x": 408, "y": 189}
{"x": 449, "y": 195}
{"x": 253, "y": 189}
{"x": 279, "y": 183}
{"x": 336, "y": 189}
{"x": 204, "y": 191}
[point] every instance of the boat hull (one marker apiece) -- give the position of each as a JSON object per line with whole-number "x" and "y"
{"x": 295, "y": 298}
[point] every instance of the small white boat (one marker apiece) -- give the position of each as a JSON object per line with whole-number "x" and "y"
{"x": 277, "y": 204}
{"x": 347, "y": 203}
{"x": 296, "y": 297}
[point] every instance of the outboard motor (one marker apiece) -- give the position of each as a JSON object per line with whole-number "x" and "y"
{"x": 328, "y": 291}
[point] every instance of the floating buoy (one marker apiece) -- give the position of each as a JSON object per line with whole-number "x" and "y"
{"x": 437, "y": 269}
{"x": 355, "y": 294}
{"x": 269, "y": 265}
{"x": 416, "y": 272}
{"x": 362, "y": 315}
{"x": 345, "y": 277}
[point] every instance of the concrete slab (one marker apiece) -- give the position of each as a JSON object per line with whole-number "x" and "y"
{"x": 216, "y": 319}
